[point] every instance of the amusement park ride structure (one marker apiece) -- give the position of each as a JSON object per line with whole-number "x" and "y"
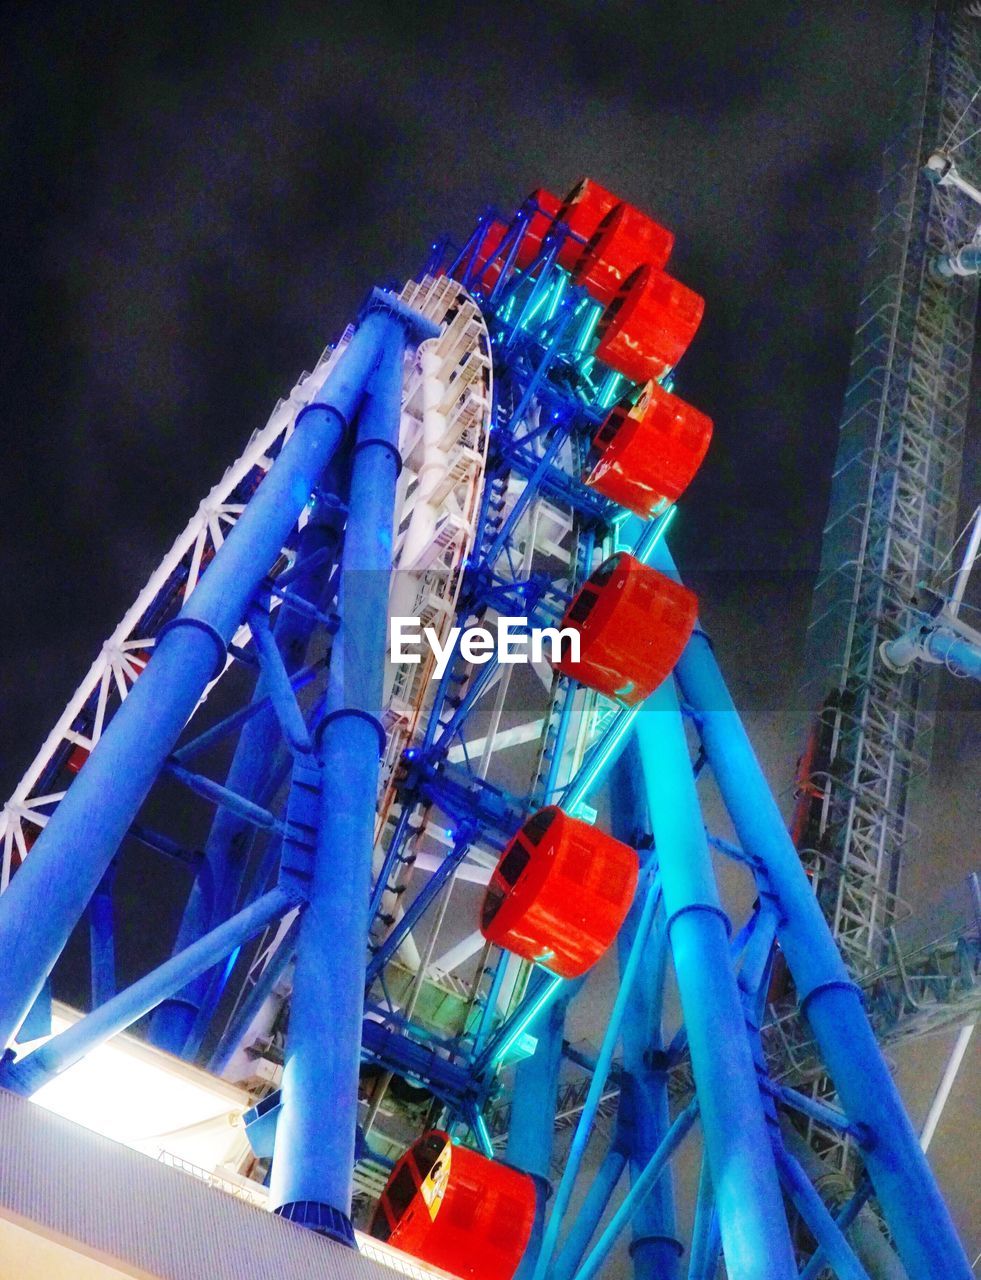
{"x": 403, "y": 880}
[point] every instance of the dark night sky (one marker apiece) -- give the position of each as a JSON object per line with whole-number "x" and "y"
{"x": 196, "y": 197}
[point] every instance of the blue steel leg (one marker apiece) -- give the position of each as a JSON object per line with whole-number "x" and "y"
{"x": 755, "y": 1238}
{"x": 642, "y": 1187}
{"x": 256, "y": 772}
{"x": 252, "y": 1002}
{"x": 50, "y": 891}
{"x": 315, "y": 1136}
{"x": 643, "y": 1117}
{"x": 589, "y": 1216}
{"x": 705, "y": 1244}
{"x": 649, "y": 891}
{"x": 102, "y": 940}
{"x": 58, "y": 1054}
{"x": 916, "y": 1214}
{"x": 532, "y": 1129}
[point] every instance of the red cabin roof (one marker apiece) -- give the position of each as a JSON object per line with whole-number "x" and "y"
{"x": 647, "y": 327}
{"x": 583, "y": 209}
{"x": 625, "y": 240}
{"x": 649, "y": 451}
{"x": 455, "y": 1209}
{"x": 560, "y": 893}
{"x": 633, "y": 624}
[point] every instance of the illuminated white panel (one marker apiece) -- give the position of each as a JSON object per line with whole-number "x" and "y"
{"x": 148, "y": 1100}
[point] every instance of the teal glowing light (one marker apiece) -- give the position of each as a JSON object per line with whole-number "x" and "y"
{"x": 483, "y": 1137}
{"x": 557, "y": 293}
{"x": 606, "y": 748}
{"x": 544, "y": 997}
{"x": 588, "y": 329}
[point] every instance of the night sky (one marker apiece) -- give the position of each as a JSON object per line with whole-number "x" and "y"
{"x": 196, "y": 198}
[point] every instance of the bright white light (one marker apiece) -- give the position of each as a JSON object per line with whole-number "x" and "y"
{"x": 148, "y": 1100}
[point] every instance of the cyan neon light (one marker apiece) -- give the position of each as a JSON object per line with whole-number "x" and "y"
{"x": 648, "y": 541}
{"x": 557, "y": 296}
{"x": 588, "y": 329}
{"x": 483, "y": 1137}
{"x": 612, "y": 740}
{"x": 524, "y": 1022}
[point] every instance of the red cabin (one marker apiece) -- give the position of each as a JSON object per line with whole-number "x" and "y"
{"x": 647, "y": 327}
{"x": 583, "y": 209}
{"x": 539, "y": 225}
{"x": 633, "y": 624}
{"x": 489, "y": 246}
{"x": 625, "y": 240}
{"x": 455, "y": 1209}
{"x": 560, "y": 893}
{"x": 650, "y": 451}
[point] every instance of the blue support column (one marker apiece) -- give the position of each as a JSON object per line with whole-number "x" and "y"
{"x": 50, "y": 891}
{"x": 531, "y": 1133}
{"x": 913, "y": 1207}
{"x": 58, "y": 1054}
{"x": 643, "y": 1117}
{"x": 315, "y": 1136}
{"x": 590, "y": 1215}
{"x": 102, "y": 940}
{"x": 257, "y": 771}
{"x": 755, "y": 1238}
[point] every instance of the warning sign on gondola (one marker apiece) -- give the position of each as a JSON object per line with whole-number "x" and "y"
{"x": 434, "y": 1184}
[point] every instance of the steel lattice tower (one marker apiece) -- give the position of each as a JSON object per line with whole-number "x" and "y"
{"x": 891, "y": 521}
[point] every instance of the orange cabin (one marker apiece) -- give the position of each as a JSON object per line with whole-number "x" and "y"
{"x": 583, "y": 209}
{"x": 455, "y": 1209}
{"x": 647, "y": 327}
{"x": 633, "y": 624}
{"x": 539, "y": 225}
{"x": 560, "y": 893}
{"x": 625, "y": 240}
{"x": 650, "y": 451}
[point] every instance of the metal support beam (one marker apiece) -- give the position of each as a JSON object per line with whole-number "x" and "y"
{"x": 755, "y": 1238}
{"x": 51, "y": 890}
{"x": 914, "y": 1209}
{"x": 315, "y": 1139}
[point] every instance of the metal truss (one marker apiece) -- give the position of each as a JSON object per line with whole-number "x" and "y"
{"x": 894, "y": 503}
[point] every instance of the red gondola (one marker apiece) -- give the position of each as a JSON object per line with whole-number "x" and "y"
{"x": 560, "y": 893}
{"x": 625, "y": 240}
{"x": 538, "y": 227}
{"x": 633, "y": 624}
{"x": 583, "y": 209}
{"x": 455, "y": 1209}
{"x": 647, "y": 327}
{"x": 650, "y": 451}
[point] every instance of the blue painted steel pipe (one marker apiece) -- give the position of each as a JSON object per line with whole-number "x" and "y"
{"x": 755, "y": 1237}
{"x": 531, "y": 1133}
{"x": 102, "y": 941}
{"x": 590, "y": 1214}
{"x": 912, "y": 1204}
{"x": 257, "y": 771}
{"x": 61, "y": 1052}
{"x": 653, "y": 1170}
{"x": 50, "y": 891}
{"x": 315, "y": 1138}
{"x": 649, "y": 890}
{"x": 643, "y": 1117}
